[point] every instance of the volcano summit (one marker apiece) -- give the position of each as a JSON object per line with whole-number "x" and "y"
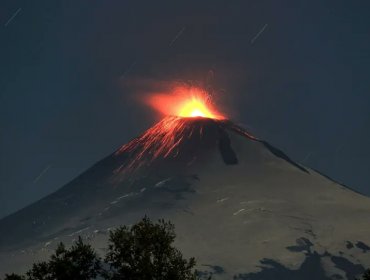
{"x": 241, "y": 207}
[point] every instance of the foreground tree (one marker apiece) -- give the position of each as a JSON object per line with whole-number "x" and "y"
{"x": 145, "y": 252}
{"x": 14, "y": 277}
{"x": 366, "y": 275}
{"x": 80, "y": 262}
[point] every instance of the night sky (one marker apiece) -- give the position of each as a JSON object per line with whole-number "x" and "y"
{"x": 295, "y": 73}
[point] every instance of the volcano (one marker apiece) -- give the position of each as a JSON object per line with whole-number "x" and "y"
{"x": 241, "y": 207}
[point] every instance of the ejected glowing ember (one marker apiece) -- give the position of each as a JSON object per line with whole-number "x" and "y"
{"x": 185, "y": 102}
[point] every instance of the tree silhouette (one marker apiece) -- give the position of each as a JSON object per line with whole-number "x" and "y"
{"x": 366, "y": 275}
{"x": 78, "y": 263}
{"x": 14, "y": 277}
{"x": 145, "y": 252}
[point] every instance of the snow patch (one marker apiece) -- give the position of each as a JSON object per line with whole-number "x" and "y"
{"x": 161, "y": 183}
{"x": 239, "y": 211}
{"x": 222, "y": 200}
{"x": 126, "y": 195}
{"x": 79, "y": 231}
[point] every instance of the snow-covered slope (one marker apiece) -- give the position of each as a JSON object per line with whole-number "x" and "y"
{"x": 240, "y": 206}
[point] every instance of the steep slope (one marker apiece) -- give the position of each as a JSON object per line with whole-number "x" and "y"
{"x": 240, "y": 206}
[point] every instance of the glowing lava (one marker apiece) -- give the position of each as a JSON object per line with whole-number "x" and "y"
{"x": 167, "y": 138}
{"x": 184, "y": 110}
{"x": 185, "y": 102}
{"x": 195, "y": 107}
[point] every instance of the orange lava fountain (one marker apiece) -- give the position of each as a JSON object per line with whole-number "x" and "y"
{"x": 184, "y": 107}
{"x": 185, "y": 102}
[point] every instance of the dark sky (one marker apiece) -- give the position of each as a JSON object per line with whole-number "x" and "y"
{"x": 303, "y": 84}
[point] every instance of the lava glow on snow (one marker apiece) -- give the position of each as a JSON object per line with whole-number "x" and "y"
{"x": 185, "y": 102}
